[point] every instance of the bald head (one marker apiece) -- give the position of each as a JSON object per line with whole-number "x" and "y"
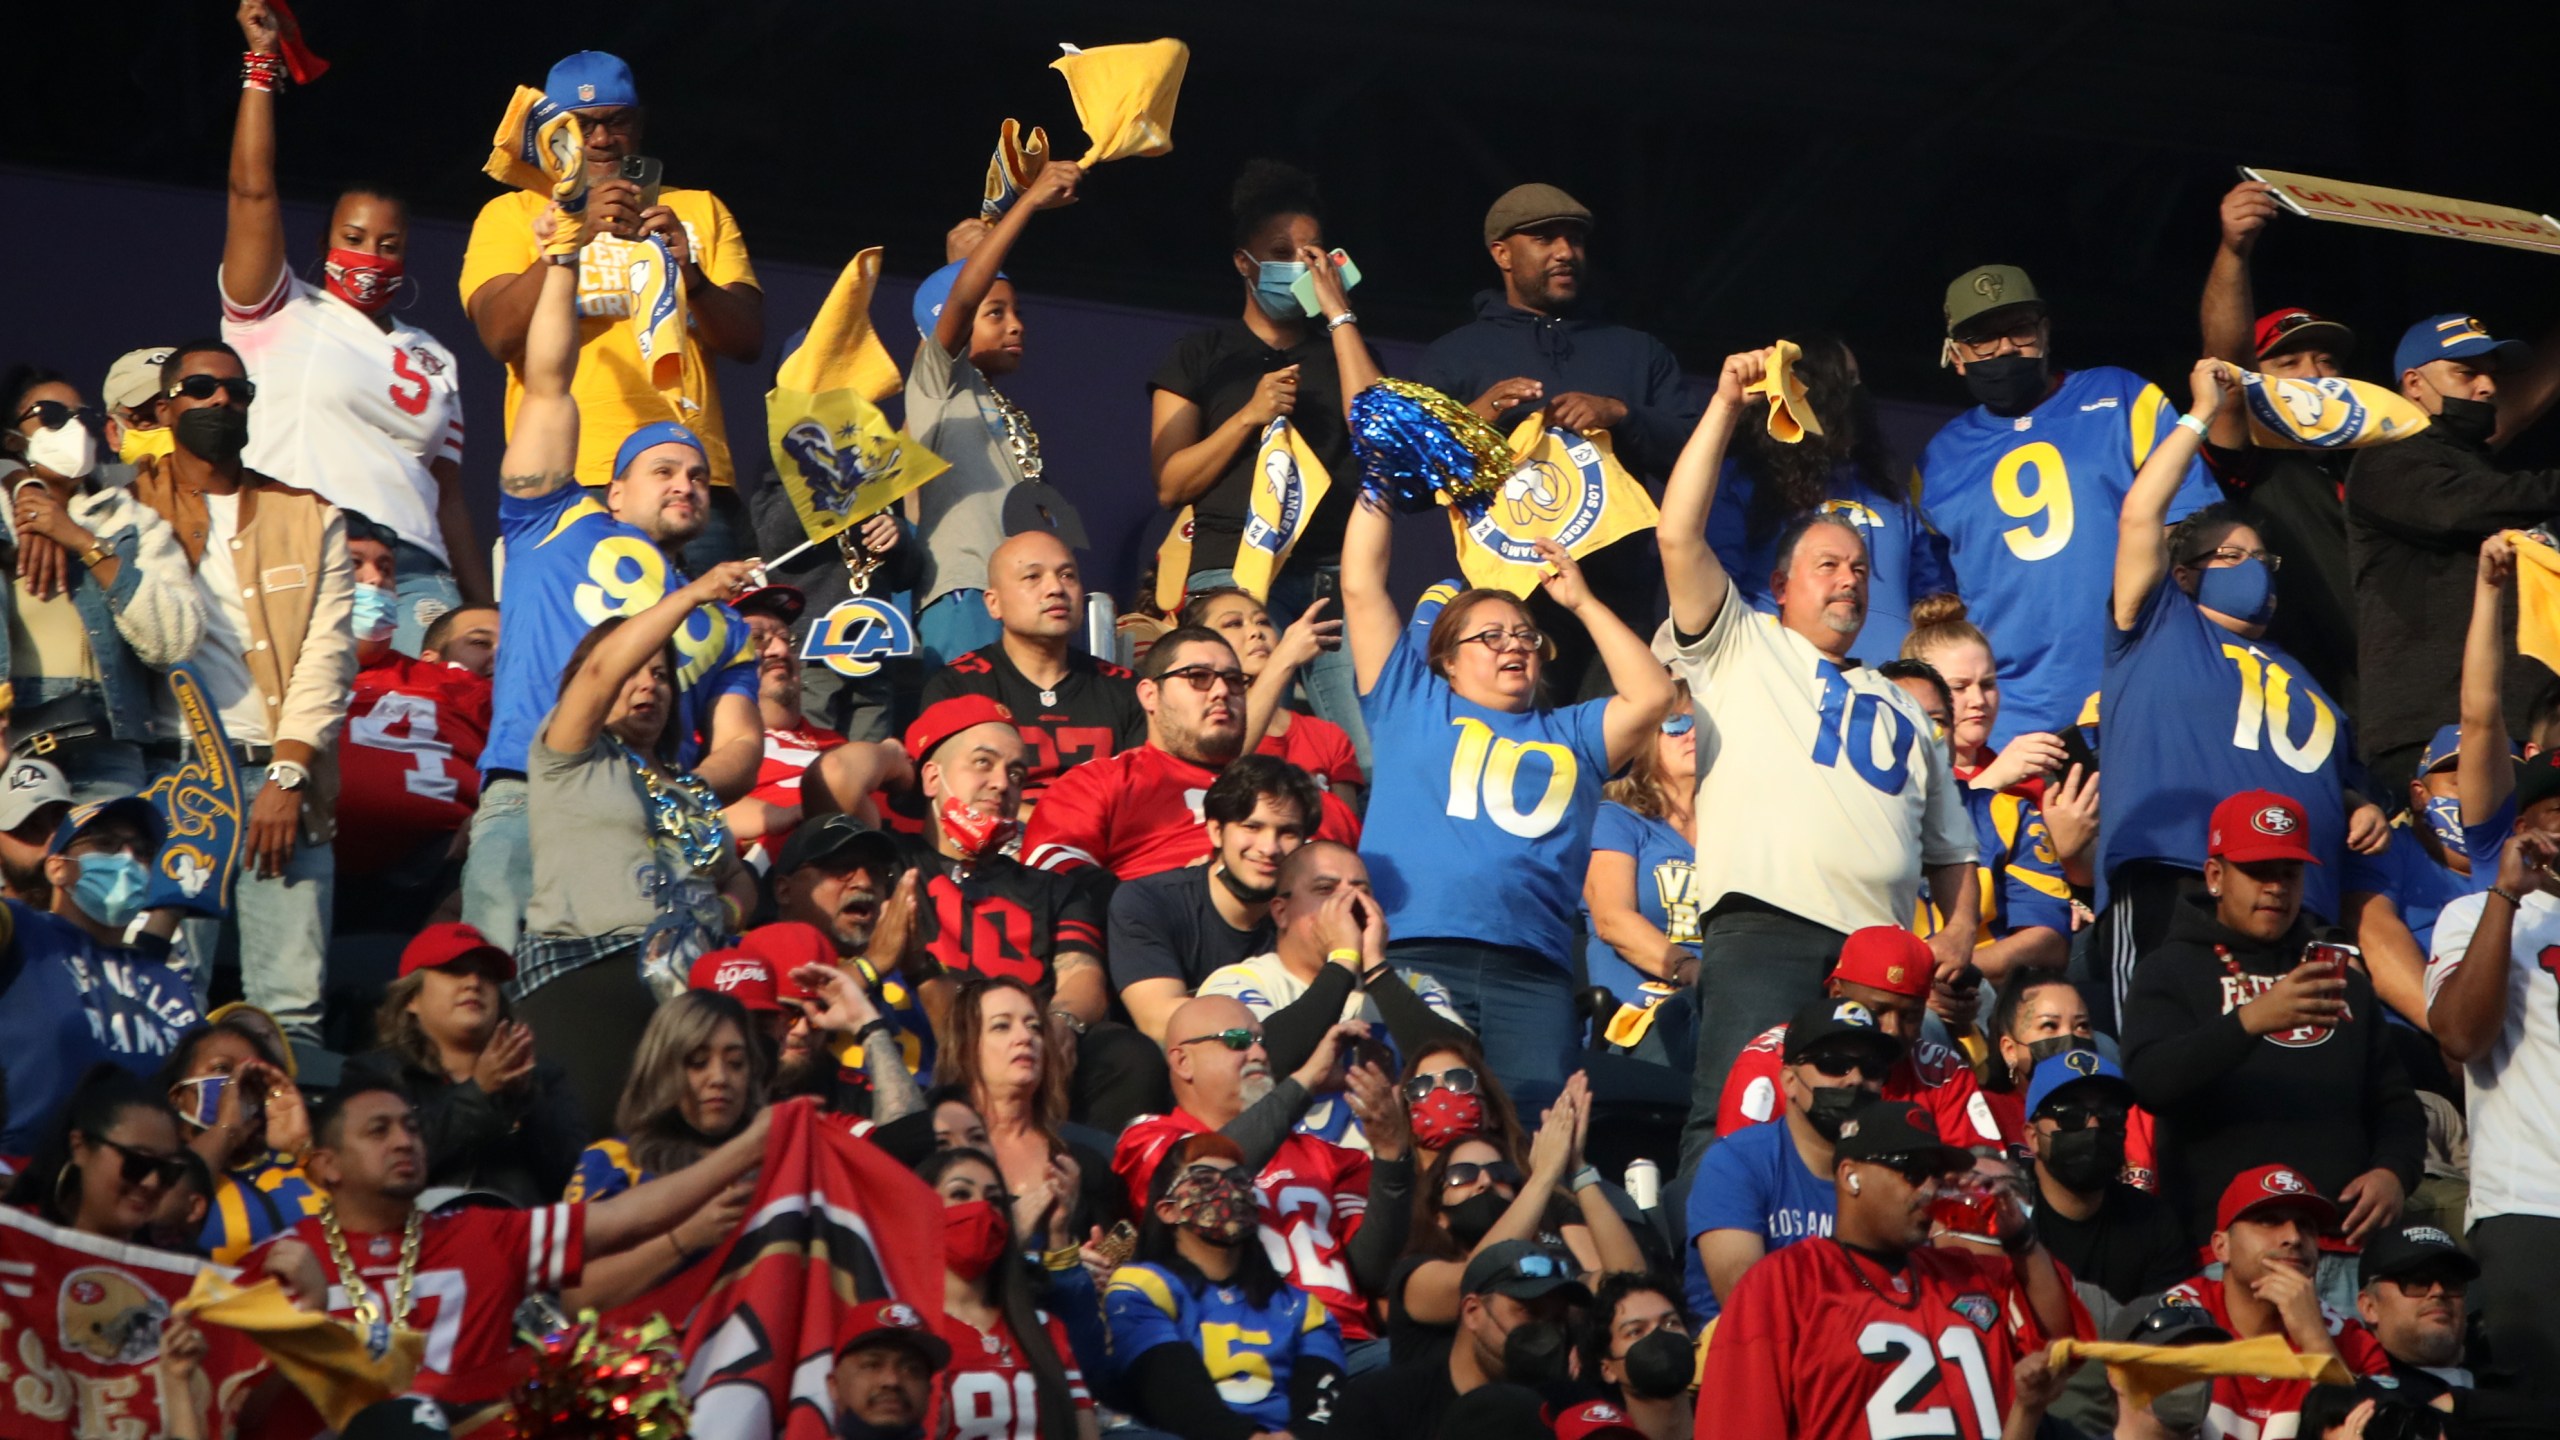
{"x": 1033, "y": 589}
{"x": 1311, "y": 875}
{"x": 1211, "y": 1081}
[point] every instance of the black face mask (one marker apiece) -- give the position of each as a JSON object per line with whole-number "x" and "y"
{"x": 1830, "y": 1109}
{"x": 2039, "y": 1052}
{"x": 2466, "y": 422}
{"x": 2086, "y": 1160}
{"x": 850, "y": 1426}
{"x": 1534, "y": 1354}
{"x": 1249, "y": 894}
{"x": 2007, "y": 384}
{"x": 1659, "y": 1366}
{"x": 214, "y": 433}
{"x": 1470, "y": 1218}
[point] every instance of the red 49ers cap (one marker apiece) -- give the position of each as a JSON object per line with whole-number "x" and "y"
{"x": 738, "y": 973}
{"x": 1592, "y": 1420}
{"x": 2260, "y": 825}
{"x": 1889, "y": 958}
{"x": 946, "y": 718}
{"x": 2294, "y": 328}
{"x": 450, "y": 944}
{"x": 2271, "y": 1185}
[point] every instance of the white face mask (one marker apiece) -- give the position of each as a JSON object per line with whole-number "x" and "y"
{"x": 69, "y": 450}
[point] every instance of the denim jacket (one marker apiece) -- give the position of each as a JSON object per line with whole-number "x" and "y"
{"x": 151, "y": 618}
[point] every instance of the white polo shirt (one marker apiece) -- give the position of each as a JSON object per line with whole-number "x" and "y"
{"x": 2514, "y": 1089}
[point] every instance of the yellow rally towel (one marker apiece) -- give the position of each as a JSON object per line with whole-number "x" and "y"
{"x": 1124, "y": 95}
{"x": 539, "y": 147}
{"x": 325, "y": 1359}
{"x": 1289, "y": 483}
{"x": 2330, "y": 413}
{"x": 1567, "y": 488}
{"x": 2537, "y": 599}
{"x": 840, "y": 459}
{"x": 1011, "y": 169}
{"x": 658, "y": 324}
{"x": 1173, "y": 564}
{"x": 2149, "y": 1371}
{"x": 1791, "y": 416}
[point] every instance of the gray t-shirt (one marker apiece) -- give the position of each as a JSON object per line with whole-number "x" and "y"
{"x": 599, "y": 871}
{"x": 958, "y": 415}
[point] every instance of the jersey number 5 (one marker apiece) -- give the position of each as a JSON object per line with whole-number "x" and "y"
{"x": 412, "y": 401}
{"x": 1895, "y": 1412}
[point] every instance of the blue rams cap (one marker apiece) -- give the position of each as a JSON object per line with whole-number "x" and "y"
{"x": 2441, "y": 750}
{"x": 2070, "y": 1067}
{"x": 2455, "y": 337}
{"x": 935, "y": 290}
{"x": 590, "y": 78}
{"x": 141, "y": 812}
{"x": 656, "y": 432}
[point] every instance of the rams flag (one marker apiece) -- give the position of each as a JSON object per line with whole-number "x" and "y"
{"x": 658, "y": 325}
{"x": 1011, "y": 169}
{"x": 2328, "y": 412}
{"x": 200, "y": 808}
{"x": 1567, "y": 488}
{"x": 1292, "y": 483}
{"x": 1125, "y": 95}
{"x": 839, "y": 458}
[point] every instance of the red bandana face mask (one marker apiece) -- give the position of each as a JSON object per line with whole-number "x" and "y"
{"x": 1446, "y": 1117}
{"x": 365, "y": 281}
{"x": 978, "y": 836}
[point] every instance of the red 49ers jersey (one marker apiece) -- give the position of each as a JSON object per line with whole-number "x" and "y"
{"x": 2241, "y": 1406}
{"x": 475, "y": 1267}
{"x": 410, "y": 765}
{"x": 1005, "y": 918}
{"x": 987, "y": 1393}
{"x": 1820, "y": 1343}
{"x": 1136, "y": 814}
{"x": 1312, "y": 1197}
{"x": 1929, "y": 1075}
{"x": 1094, "y": 712}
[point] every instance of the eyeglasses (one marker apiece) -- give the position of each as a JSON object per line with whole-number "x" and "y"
{"x": 621, "y": 117}
{"x": 1242, "y": 1037}
{"x": 1680, "y": 724}
{"x": 142, "y": 1165}
{"x": 2233, "y": 555}
{"x": 2069, "y": 1115}
{"x": 1502, "y": 641}
{"x": 2017, "y": 337}
{"x": 202, "y": 387}
{"x": 53, "y": 415}
{"x": 1499, "y": 1172}
{"x": 1201, "y": 677}
{"x": 1457, "y": 1080}
{"x": 1834, "y": 1064}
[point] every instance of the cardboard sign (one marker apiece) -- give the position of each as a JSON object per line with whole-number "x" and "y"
{"x": 2408, "y": 210}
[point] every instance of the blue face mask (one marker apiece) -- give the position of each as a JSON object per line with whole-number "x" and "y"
{"x": 2444, "y": 817}
{"x": 377, "y": 611}
{"x": 2246, "y": 592}
{"x": 110, "y": 888}
{"x": 1271, "y": 289}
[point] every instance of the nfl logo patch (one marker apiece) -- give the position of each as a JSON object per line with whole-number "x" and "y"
{"x": 1978, "y": 1309}
{"x": 586, "y": 92}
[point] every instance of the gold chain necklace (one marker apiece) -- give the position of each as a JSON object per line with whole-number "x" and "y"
{"x": 368, "y": 1312}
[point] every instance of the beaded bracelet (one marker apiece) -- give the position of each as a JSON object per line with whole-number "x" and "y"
{"x": 262, "y": 72}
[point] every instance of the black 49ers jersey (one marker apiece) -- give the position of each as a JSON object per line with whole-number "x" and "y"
{"x": 1092, "y": 715}
{"x": 1002, "y": 917}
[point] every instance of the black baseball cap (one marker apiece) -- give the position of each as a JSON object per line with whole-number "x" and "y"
{"x": 2537, "y": 780}
{"x": 1832, "y": 1018}
{"x": 2412, "y": 1248}
{"x": 405, "y": 1417}
{"x": 1521, "y": 1269}
{"x": 2173, "y": 1322}
{"x": 1883, "y": 1130}
{"x": 829, "y": 837}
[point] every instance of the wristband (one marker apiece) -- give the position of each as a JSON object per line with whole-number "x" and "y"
{"x": 262, "y": 72}
{"x": 1062, "y": 1259}
{"x": 98, "y": 554}
{"x": 1069, "y": 1019}
{"x": 1336, "y": 322}
{"x": 878, "y": 1022}
{"x": 1348, "y": 955}
{"x": 2507, "y": 895}
{"x": 1583, "y": 1179}
{"x": 2193, "y": 425}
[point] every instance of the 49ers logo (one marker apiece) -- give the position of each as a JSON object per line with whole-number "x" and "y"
{"x": 2274, "y": 820}
{"x": 2240, "y": 989}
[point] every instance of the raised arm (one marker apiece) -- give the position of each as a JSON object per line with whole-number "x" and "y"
{"x": 2484, "y": 769}
{"x": 1053, "y": 187}
{"x": 589, "y": 695}
{"x": 1351, "y": 357}
{"x": 1643, "y": 687}
{"x": 1691, "y": 572}
{"x": 253, "y": 237}
{"x": 2225, "y": 315}
{"x": 1307, "y": 637}
{"x": 542, "y": 449}
{"x": 1369, "y": 618}
{"x": 2469, "y": 1011}
{"x": 2142, "y": 535}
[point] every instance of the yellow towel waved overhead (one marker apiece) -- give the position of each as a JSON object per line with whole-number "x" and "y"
{"x": 2148, "y": 1372}
{"x": 839, "y": 458}
{"x": 1125, "y": 95}
{"x": 1567, "y": 488}
{"x": 1012, "y": 168}
{"x": 659, "y": 324}
{"x": 1173, "y": 564}
{"x": 326, "y": 1359}
{"x": 2328, "y": 412}
{"x": 537, "y": 144}
{"x": 841, "y": 351}
{"x": 1791, "y": 416}
{"x": 2537, "y": 599}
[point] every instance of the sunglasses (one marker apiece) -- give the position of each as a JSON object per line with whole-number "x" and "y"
{"x": 1536, "y": 1267}
{"x": 53, "y": 415}
{"x": 1457, "y": 1080}
{"x": 1834, "y": 1064}
{"x": 2072, "y": 1116}
{"x": 202, "y": 387}
{"x": 1201, "y": 677}
{"x": 1241, "y": 1038}
{"x": 1916, "y": 1169}
{"x": 1680, "y": 724}
{"x": 142, "y": 1165}
{"x": 1500, "y": 1172}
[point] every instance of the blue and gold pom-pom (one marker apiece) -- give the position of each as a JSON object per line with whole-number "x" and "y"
{"x": 1418, "y": 448}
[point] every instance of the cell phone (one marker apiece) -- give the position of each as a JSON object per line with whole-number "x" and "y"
{"x": 1304, "y": 287}
{"x": 2335, "y": 954}
{"x": 1120, "y": 1244}
{"x": 1369, "y": 1050}
{"x": 2076, "y": 750}
{"x": 643, "y": 171}
{"x": 1967, "y": 981}
{"x": 1328, "y": 586}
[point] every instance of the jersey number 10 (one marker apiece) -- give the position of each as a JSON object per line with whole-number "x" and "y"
{"x": 2266, "y": 706}
{"x": 1848, "y": 723}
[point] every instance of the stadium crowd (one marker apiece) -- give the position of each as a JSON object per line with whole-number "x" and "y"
{"x": 1705, "y": 996}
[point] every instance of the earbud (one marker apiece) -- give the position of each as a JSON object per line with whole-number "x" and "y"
{"x": 2216, "y": 894}
{"x": 1853, "y": 1184}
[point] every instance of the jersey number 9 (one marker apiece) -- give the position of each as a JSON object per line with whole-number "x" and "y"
{"x": 626, "y": 575}
{"x": 2051, "y": 499}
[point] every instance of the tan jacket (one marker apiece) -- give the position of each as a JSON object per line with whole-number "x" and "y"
{"x": 301, "y": 609}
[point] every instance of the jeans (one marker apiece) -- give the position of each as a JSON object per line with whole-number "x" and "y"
{"x": 497, "y": 875}
{"x": 1331, "y": 686}
{"x": 1519, "y": 1003}
{"x": 283, "y": 928}
{"x": 426, "y": 592}
{"x": 102, "y": 769}
{"x": 955, "y": 625}
{"x": 1756, "y": 967}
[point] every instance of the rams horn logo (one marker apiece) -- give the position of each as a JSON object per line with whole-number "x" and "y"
{"x": 111, "y": 1317}
{"x": 26, "y": 777}
{"x": 832, "y": 475}
{"x": 859, "y": 634}
{"x": 1850, "y": 1012}
{"x": 1541, "y": 498}
{"x": 2284, "y": 1182}
{"x": 2080, "y": 1062}
{"x": 2274, "y": 820}
{"x": 1989, "y": 285}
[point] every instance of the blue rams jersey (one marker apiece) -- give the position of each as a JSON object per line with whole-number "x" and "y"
{"x": 254, "y": 1204}
{"x": 1666, "y": 893}
{"x": 1480, "y": 803}
{"x": 65, "y": 1005}
{"x": 2020, "y": 878}
{"x": 1753, "y": 1179}
{"x": 1905, "y": 558}
{"x": 605, "y": 1169}
{"x": 2415, "y": 884}
{"x": 2192, "y": 713}
{"x": 2029, "y": 508}
{"x": 570, "y": 567}
{"x": 1251, "y": 1351}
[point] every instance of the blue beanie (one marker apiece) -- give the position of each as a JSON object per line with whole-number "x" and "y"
{"x": 656, "y": 432}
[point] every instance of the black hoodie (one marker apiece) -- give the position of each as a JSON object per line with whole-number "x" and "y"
{"x": 2332, "y": 1103}
{"x": 1574, "y": 352}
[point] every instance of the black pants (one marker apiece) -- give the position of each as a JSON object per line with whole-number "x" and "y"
{"x": 1120, "y": 1076}
{"x": 1626, "y": 577}
{"x": 2519, "y": 1259}
{"x": 589, "y": 1023}
{"x": 2140, "y": 902}
{"x": 1757, "y": 966}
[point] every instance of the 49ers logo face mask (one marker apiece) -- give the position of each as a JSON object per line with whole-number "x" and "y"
{"x": 368, "y": 282}
{"x": 977, "y": 836}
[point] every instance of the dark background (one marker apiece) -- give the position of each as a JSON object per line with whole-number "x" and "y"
{"x": 1753, "y": 169}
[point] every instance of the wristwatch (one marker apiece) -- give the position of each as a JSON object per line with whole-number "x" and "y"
{"x": 288, "y": 775}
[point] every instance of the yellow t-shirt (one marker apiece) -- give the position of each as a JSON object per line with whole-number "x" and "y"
{"x": 612, "y": 386}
